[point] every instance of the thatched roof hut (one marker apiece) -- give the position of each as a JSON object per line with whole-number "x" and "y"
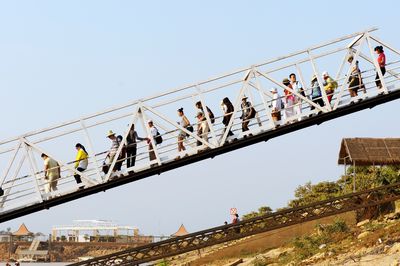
{"x": 369, "y": 151}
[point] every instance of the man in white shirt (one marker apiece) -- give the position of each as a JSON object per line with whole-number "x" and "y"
{"x": 297, "y": 87}
{"x": 52, "y": 173}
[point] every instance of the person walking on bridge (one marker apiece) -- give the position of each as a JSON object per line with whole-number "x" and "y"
{"x": 131, "y": 146}
{"x": 185, "y": 123}
{"x": 202, "y": 128}
{"x": 382, "y": 65}
{"x": 316, "y": 94}
{"x": 289, "y": 100}
{"x": 276, "y": 105}
{"x": 52, "y": 173}
{"x": 81, "y": 163}
{"x": 228, "y": 109}
{"x": 210, "y": 113}
{"x": 157, "y": 139}
{"x": 113, "y": 149}
{"x": 330, "y": 85}
{"x": 297, "y": 87}
{"x": 248, "y": 113}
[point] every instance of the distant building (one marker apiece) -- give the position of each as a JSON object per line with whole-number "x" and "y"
{"x": 5, "y": 236}
{"x": 23, "y": 234}
{"x": 181, "y": 232}
{"x": 97, "y": 231}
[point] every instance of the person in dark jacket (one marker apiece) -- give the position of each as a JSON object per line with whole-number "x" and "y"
{"x": 228, "y": 109}
{"x": 248, "y": 113}
{"x": 131, "y": 146}
{"x": 210, "y": 113}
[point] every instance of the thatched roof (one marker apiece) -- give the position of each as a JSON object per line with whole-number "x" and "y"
{"x": 370, "y": 151}
{"x": 181, "y": 231}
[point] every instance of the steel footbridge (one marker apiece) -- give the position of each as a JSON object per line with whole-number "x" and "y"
{"x": 23, "y": 181}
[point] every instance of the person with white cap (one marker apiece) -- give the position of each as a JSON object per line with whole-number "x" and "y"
{"x": 114, "y": 147}
{"x": 276, "y": 105}
{"x": 316, "y": 95}
{"x": 329, "y": 85}
{"x": 248, "y": 113}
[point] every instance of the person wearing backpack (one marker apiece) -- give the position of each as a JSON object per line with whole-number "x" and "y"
{"x": 157, "y": 138}
{"x": 185, "y": 123}
{"x": 210, "y": 113}
{"x": 329, "y": 85}
{"x": 228, "y": 109}
{"x": 248, "y": 113}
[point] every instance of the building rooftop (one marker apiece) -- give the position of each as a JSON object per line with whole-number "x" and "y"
{"x": 370, "y": 151}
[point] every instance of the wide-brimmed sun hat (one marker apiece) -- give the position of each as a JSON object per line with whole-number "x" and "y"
{"x": 110, "y": 133}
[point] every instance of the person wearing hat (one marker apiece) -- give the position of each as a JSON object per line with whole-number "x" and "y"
{"x": 316, "y": 95}
{"x": 355, "y": 80}
{"x": 202, "y": 128}
{"x": 228, "y": 109}
{"x": 248, "y": 113}
{"x": 52, "y": 173}
{"x": 114, "y": 147}
{"x": 329, "y": 85}
{"x": 276, "y": 105}
{"x": 289, "y": 99}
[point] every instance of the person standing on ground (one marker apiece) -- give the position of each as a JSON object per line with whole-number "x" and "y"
{"x": 382, "y": 65}
{"x": 81, "y": 163}
{"x": 131, "y": 146}
{"x": 52, "y": 173}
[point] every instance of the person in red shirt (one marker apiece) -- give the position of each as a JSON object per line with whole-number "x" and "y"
{"x": 381, "y": 63}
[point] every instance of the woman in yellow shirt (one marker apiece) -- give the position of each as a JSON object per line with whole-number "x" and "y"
{"x": 81, "y": 163}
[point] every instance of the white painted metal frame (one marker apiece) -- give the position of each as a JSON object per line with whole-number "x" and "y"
{"x": 250, "y": 79}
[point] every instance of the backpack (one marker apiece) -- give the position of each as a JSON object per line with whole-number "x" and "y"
{"x": 158, "y": 138}
{"x": 211, "y": 115}
{"x": 1, "y": 192}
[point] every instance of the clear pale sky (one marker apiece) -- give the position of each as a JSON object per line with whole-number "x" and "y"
{"x": 62, "y": 59}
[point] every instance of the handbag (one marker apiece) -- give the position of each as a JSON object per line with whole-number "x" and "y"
{"x": 189, "y": 128}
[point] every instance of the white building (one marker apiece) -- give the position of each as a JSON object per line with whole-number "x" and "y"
{"x": 96, "y": 231}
